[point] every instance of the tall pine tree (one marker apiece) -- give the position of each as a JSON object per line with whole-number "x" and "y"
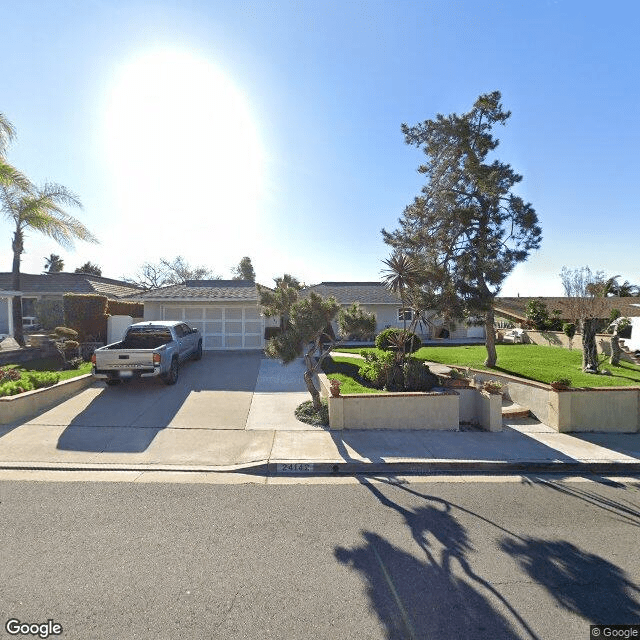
{"x": 468, "y": 229}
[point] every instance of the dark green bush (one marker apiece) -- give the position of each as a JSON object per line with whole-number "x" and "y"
{"x": 87, "y": 314}
{"x": 384, "y": 340}
{"x": 382, "y": 371}
{"x": 418, "y": 376}
{"x": 125, "y": 308}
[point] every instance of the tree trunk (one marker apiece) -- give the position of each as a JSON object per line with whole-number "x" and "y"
{"x": 615, "y": 350}
{"x": 490, "y": 339}
{"x": 16, "y": 310}
{"x": 589, "y": 349}
{"x": 308, "y": 380}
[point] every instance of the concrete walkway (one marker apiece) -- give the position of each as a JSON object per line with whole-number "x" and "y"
{"x": 261, "y": 435}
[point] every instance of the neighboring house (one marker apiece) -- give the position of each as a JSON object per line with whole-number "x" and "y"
{"x": 227, "y": 312}
{"x": 374, "y": 297}
{"x": 515, "y": 309}
{"x": 53, "y": 286}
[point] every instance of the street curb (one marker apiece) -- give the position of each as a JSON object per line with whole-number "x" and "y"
{"x": 313, "y": 468}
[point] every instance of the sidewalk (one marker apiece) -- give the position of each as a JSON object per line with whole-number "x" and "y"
{"x": 274, "y": 442}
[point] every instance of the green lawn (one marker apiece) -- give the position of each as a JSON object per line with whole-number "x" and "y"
{"x": 43, "y": 373}
{"x": 534, "y": 362}
{"x": 346, "y": 369}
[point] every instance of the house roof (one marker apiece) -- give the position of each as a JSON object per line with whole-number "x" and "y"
{"x": 517, "y": 307}
{"x": 57, "y": 284}
{"x": 350, "y": 292}
{"x": 202, "y": 291}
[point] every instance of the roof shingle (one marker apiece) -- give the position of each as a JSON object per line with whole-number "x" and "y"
{"x": 350, "y": 292}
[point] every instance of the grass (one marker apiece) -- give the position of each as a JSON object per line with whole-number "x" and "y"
{"x": 44, "y": 372}
{"x": 533, "y": 362}
{"x": 345, "y": 370}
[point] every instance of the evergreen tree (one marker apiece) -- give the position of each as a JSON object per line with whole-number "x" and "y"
{"x": 468, "y": 229}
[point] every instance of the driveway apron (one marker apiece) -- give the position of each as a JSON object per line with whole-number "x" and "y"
{"x": 140, "y": 422}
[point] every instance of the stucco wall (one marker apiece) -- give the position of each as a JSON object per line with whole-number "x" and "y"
{"x": 611, "y": 410}
{"x": 152, "y": 311}
{"x": 433, "y": 411}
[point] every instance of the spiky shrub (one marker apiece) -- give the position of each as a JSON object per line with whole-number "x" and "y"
{"x": 388, "y": 340}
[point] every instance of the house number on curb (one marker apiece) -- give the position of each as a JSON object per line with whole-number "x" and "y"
{"x": 295, "y": 467}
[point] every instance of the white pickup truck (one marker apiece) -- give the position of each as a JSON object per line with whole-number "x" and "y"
{"x": 148, "y": 349}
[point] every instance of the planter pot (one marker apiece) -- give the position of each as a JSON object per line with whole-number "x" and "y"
{"x": 456, "y": 383}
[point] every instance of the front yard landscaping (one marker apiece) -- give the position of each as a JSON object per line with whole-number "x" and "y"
{"x": 345, "y": 370}
{"x": 37, "y": 374}
{"x": 529, "y": 361}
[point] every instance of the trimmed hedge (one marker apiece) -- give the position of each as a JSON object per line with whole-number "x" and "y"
{"x": 125, "y": 308}
{"x": 87, "y": 314}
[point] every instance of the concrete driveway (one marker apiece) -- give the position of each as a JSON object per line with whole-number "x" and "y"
{"x": 201, "y": 420}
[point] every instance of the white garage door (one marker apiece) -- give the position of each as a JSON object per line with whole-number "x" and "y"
{"x": 222, "y": 327}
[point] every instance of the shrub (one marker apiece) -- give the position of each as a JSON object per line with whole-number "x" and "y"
{"x": 384, "y": 340}
{"x": 50, "y": 313}
{"x": 356, "y": 324}
{"x": 306, "y": 413}
{"x": 87, "y": 313}
{"x": 15, "y": 387}
{"x": 125, "y": 308}
{"x": 418, "y": 376}
{"x": 376, "y": 368}
{"x": 9, "y": 375}
{"x": 40, "y": 379}
{"x": 569, "y": 329}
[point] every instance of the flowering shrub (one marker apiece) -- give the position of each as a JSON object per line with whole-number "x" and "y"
{"x": 8, "y": 375}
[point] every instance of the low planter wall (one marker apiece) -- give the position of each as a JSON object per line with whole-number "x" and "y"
{"x": 434, "y": 411}
{"x": 31, "y": 403}
{"x": 429, "y": 411}
{"x": 604, "y": 409}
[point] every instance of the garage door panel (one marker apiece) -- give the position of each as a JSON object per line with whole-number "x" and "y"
{"x": 253, "y": 342}
{"x": 212, "y": 342}
{"x": 233, "y": 342}
{"x": 222, "y": 327}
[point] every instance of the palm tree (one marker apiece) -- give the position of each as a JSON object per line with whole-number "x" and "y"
{"x": 54, "y": 263}
{"x": 9, "y": 175}
{"x": 43, "y": 210}
{"x": 401, "y": 276}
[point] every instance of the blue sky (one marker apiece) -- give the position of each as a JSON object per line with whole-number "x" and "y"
{"x": 216, "y": 130}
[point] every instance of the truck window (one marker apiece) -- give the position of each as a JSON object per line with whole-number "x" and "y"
{"x": 147, "y": 338}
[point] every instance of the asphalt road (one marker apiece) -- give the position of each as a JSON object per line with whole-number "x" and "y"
{"x": 482, "y": 560}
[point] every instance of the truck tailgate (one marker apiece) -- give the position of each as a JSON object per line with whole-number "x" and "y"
{"x": 125, "y": 359}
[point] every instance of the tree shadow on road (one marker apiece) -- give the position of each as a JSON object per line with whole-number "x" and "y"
{"x": 428, "y": 598}
{"x": 578, "y": 580}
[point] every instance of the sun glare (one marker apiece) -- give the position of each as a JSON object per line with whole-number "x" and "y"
{"x": 181, "y": 141}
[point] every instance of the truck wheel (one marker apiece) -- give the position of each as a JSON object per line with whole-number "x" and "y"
{"x": 197, "y": 355}
{"x": 172, "y": 376}
{"x": 112, "y": 382}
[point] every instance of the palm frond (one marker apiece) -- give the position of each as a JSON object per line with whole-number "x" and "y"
{"x": 7, "y": 133}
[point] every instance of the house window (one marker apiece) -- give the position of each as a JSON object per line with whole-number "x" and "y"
{"x": 405, "y": 314}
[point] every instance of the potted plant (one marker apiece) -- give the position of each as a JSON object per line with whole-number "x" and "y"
{"x": 492, "y": 386}
{"x": 456, "y": 378}
{"x": 560, "y": 384}
{"x": 334, "y": 387}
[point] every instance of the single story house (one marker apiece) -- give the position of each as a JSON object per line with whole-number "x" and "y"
{"x": 227, "y": 312}
{"x": 53, "y": 286}
{"x": 374, "y": 297}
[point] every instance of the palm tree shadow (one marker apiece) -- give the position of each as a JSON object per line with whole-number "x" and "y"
{"x": 577, "y": 580}
{"x": 421, "y": 599}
